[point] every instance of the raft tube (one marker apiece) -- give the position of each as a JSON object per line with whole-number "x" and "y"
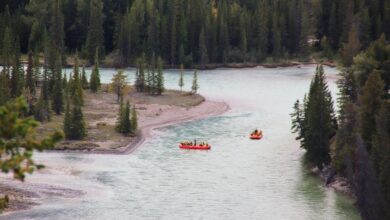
{"x": 195, "y": 147}
{"x": 256, "y": 137}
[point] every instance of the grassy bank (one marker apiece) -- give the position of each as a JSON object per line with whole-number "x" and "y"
{"x": 100, "y": 112}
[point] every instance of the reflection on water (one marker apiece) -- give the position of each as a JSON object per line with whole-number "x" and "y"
{"x": 237, "y": 179}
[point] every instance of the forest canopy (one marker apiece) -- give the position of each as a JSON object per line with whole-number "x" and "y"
{"x": 193, "y": 31}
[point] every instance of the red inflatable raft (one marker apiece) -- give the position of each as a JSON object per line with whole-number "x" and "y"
{"x": 195, "y": 147}
{"x": 256, "y": 137}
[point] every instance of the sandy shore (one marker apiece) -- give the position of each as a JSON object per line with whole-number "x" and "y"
{"x": 101, "y": 113}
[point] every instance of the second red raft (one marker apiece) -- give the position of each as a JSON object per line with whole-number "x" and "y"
{"x": 256, "y": 137}
{"x": 195, "y": 147}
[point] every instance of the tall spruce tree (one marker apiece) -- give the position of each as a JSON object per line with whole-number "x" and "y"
{"x": 140, "y": 75}
{"x": 371, "y": 103}
{"x": 118, "y": 84}
{"x": 203, "y": 54}
{"x": 124, "y": 124}
{"x": 160, "y": 77}
{"x": 95, "y": 36}
{"x": 76, "y": 88}
{"x": 57, "y": 94}
{"x": 84, "y": 80}
{"x": 94, "y": 82}
{"x": 134, "y": 119}
{"x": 30, "y": 78}
{"x": 5, "y": 93}
{"x": 319, "y": 123}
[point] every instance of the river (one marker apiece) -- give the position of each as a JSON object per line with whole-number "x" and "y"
{"x": 237, "y": 179}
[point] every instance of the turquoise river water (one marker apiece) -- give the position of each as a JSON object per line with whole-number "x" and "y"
{"x": 236, "y": 179}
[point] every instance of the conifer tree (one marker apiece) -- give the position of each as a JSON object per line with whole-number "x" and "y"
{"x": 41, "y": 109}
{"x": 348, "y": 90}
{"x": 5, "y": 93}
{"x": 7, "y": 49}
{"x": 74, "y": 125}
{"x": 351, "y": 48}
{"x": 18, "y": 140}
{"x": 17, "y": 72}
{"x": 195, "y": 85}
{"x": 30, "y": 79}
{"x": 140, "y": 75}
{"x": 64, "y": 81}
{"x": 276, "y": 36}
{"x": 57, "y": 34}
{"x": 181, "y": 79}
{"x": 94, "y": 82}
{"x": 371, "y": 101}
{"x": 36, "y": 68}
{"x": 118, "y": 84}
{"x": 76, "y": 89}
{"x": 78, "y": 130}
{"x": 160, "y": 77}
{"x": 124, "y": 124}
{"x": 297, "y": 120}
{"x": 57, "y": 94}
{"x": 203, "y": 54}
{"x": 67, "y": 119}
{"x": 84, "y": 80}
{"x": 243, "y": 36}
{"x": 95, "y": 36}
{"x": 319, "y": 122}
{"x": 134, "y": 119}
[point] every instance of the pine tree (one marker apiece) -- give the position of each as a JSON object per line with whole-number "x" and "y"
{"x": 36, "y": 68}
{"x": 42, "y": 110}
{"x": 30, "y": 79}
{"x": 57, "y": 28}
{"x": 262, "y": 20}
{"x": 84, "y": 80}
{"x": 140, "y": 75}
{"x": 57, "y": 94}
{"x": 19, "y": 140}
{"x": 181, "y": 80}
{"x": 94, "y": 82}
{"x": 297, "y": 120}
{"x": 124, "y": 124}
{"x": 7, "y": 49}
{"x": 67, "y": 120}
{"x": 17, "y": 72}
{"x": 319, "y": 122}
{"x": 160, "y": 77}
{"x": 78, "y": 130}
{"x": 371, "y": 103}
{"x": 351, "y": 48}
{"x": 195, "y": 85}
{"x": 348, "y": 90}
{"x": 134, "y": 119}
{"x": 74, "y": 125}
{"x": 118, "y": 84}
{"x": 64, "y": 81}
{"x": 276, "y": 38}
{"x": 203, "y": 54}
{"x": 243, "y": 36}
{"x": 174, "y": 22}
{"x": 76, "y": 89}
{"x": 5, "y": 93}
{"x": 95, "y": 36}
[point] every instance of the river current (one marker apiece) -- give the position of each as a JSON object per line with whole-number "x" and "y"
{"x": 237, "y": 179}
